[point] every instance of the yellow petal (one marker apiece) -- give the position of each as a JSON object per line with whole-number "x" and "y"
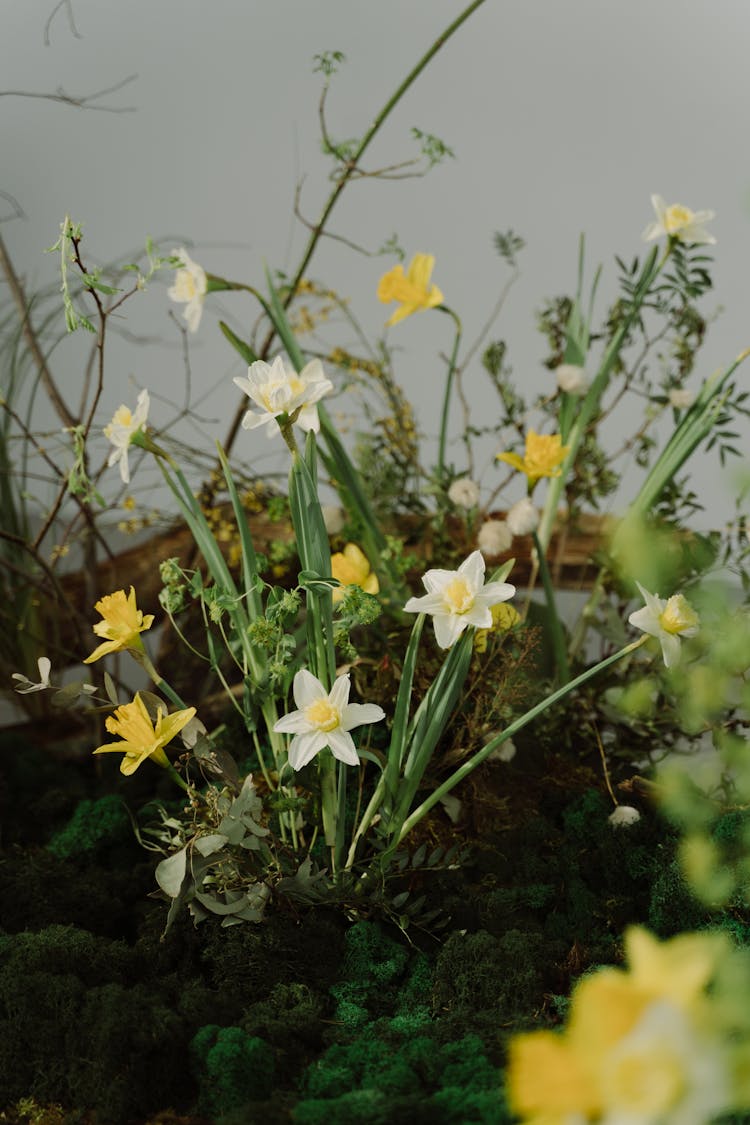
{"x": 545, "y": 1076}
{"x": 420, "y": 271}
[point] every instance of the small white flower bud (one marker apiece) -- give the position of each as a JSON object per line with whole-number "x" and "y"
{"x": 464, "y": 493}
{"x": 505, "y": 752}
{"x": 572, "y": 379}
{"x": 494, "y": 537}
{"x": 334, "y": 518}
{"x": 523, "y": 518}
{"x": 681, "y": 398}
{"x": 624, "y": 816}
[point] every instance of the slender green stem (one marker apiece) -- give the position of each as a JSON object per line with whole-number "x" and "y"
{"x": 145, "y": 662}
{"x": 177, "y": 778}
{"x": 351, "y": 167}
{"x": 477, "y": 759}
{"x": 562, "y": 670}
{"x": 447, "y": 394}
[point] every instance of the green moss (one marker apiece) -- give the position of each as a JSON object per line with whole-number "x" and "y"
{"x": 232, "y": 1068}
{"x": 79, "y": 1025}
{"x": 94, "y": 825}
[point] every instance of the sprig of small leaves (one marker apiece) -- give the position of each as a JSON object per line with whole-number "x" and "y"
{"x": 509, "y": 245}
{"x": 328, "y": 62}
{"x": 434, "y": 150}
{"x": 79, "y": 482}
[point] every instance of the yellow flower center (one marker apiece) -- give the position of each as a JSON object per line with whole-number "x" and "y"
{"x": 678, "y": 615}
{"x": 647, "y": 1083}
{"x": 322, "y": 715}
{"x": 677, "y": 217}
{"x": 185, "y": 286}
{"x": 458, "y": 595}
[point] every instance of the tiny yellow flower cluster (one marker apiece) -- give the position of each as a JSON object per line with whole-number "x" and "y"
{"x": 504, "y": 618}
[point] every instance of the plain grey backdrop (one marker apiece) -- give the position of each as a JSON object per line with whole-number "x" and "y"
{"x": 564, "y": 116}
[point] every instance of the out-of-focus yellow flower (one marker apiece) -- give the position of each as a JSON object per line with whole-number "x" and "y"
{"x": 351, "y": 568}
{"x": 122, "y": 625}
{"x": 504, "y": 618}
{"x": 543, "y": 457}
{"x": 645, "y": 1046}
{"x": 140, "y": 737}
{"x": 411, "y": 289}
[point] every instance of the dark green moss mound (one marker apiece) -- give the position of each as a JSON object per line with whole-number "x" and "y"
{"x": 384, "y": 1077}
{"x": 79, "y": 1024}
{"x": 94, "y": 826}
{"x": 232, "y": 1068}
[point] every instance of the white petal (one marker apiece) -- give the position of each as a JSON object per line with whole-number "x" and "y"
{"x": 304, "y": 747}
{"x": 435, "y": 581}
{"x": 293, "y": 723}
{"x": 44, "y": 665}
{"x": 307, "y": 688}
{"x": 339, "y": 694}
{"x": 645, "y": 620}
{"x": 472, "y": 570}
{"x": 670, "y": 649}
{"x": 251, "y": 421}
{"x": 428, "y": 603}
{"x": 357, "y": 714}
{"x": 342, "y": 747}
{"x": 479, "y": 615}
{"x": 496, "y": 592}
{"x": 448, "y": 628}
{"x": 308, "y": 419}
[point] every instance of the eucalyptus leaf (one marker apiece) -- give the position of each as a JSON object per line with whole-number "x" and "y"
{"x": 170, "y": 873}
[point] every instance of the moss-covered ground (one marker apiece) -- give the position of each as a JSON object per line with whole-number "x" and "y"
{"x": 313, "y": 1017}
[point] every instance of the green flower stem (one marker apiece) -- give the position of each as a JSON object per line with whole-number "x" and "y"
{"x": 145, "y": 662}
{"x": 351, "y": 167}
{"x": 447, "y": 393}
{"x": 693, "y": 428}
{"x": 562, "y": 670}
{"x": 177, "y": 778}
{"x": 329, "y": 800}
{"x": 590, "y": 403}
{"x": 477, "y": 759}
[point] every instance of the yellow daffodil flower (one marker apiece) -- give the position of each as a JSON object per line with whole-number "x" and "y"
{"x": 122, "y": 624}
{"x": 543, "y": 457}
{"x": 642, "y": 1046}
{"x": 140, "y": 737}
{"x": 351, "y": 568}
{"x": 411, "y": 289}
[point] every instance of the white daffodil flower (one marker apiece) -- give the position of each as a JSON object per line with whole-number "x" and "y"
{"x": 190, "y": 287}
{"x": 278, "y": 389}
{"x": 458, "y": 598}
{"x": 324, "y": 719}
{"x": 121, "y": 430}
{"x": 25, "y": 685}
{"x": 667, "y": 620}
{"x": 678, "y": 222}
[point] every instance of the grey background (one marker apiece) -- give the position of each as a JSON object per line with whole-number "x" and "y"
{"x": 564, "y": 117}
